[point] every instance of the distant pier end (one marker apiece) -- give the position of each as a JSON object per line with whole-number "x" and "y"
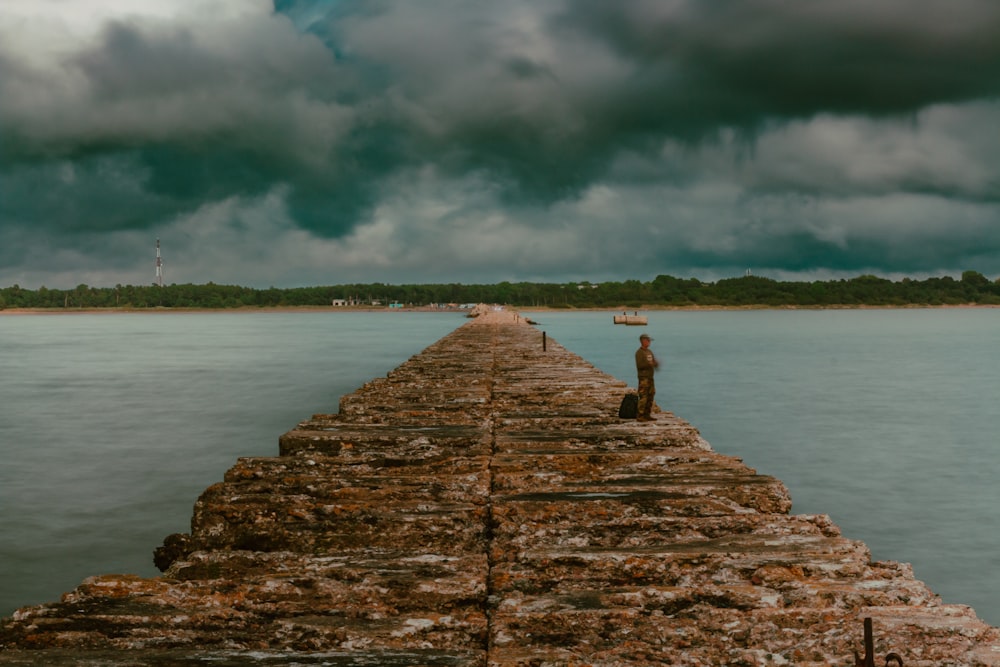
{"x": 484, "y": 505}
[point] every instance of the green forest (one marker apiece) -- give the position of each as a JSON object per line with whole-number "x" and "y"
{"x": 664, "y": 291}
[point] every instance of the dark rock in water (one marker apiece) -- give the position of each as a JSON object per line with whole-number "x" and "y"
{"x": 175, "y": 546}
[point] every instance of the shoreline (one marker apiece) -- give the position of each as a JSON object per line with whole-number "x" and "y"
{"x": 430, "y": 309}
{"x": 247, "y": 309}
{"x": 755, "y": 307}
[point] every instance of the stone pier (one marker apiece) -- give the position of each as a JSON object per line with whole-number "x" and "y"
{"x": 483, "y": 505}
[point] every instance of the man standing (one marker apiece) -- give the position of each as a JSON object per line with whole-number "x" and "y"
{"x": 645, "y": 365}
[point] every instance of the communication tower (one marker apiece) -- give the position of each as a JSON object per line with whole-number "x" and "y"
{"x": 159, "y": 265}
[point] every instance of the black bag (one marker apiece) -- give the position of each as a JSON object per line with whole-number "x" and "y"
{"x": 629, "y": 409}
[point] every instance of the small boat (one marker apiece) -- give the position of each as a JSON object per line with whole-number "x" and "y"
{"x": 631, "y": 320}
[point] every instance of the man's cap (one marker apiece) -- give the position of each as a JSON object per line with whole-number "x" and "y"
{"x": 646, "y": 336}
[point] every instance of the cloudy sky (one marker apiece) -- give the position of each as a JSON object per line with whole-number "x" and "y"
{"x": 313, "y": 142}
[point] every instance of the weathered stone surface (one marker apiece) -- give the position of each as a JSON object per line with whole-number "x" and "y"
{"x": 483, "y": 505}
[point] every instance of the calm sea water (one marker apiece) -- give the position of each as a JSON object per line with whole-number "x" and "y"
{"x": 111, "y": 425}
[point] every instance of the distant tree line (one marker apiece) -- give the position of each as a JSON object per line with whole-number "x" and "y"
{"x": 748, "y": 291}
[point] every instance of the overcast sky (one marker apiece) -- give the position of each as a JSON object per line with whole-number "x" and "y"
{"x": 314, "y": 142}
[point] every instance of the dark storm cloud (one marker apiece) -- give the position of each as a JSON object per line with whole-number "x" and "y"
{"x": 194, "y": 120}
{"x": 544, "y": 110}
{"x": 742, "y": 60}
{"x": 366, "y": 123}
